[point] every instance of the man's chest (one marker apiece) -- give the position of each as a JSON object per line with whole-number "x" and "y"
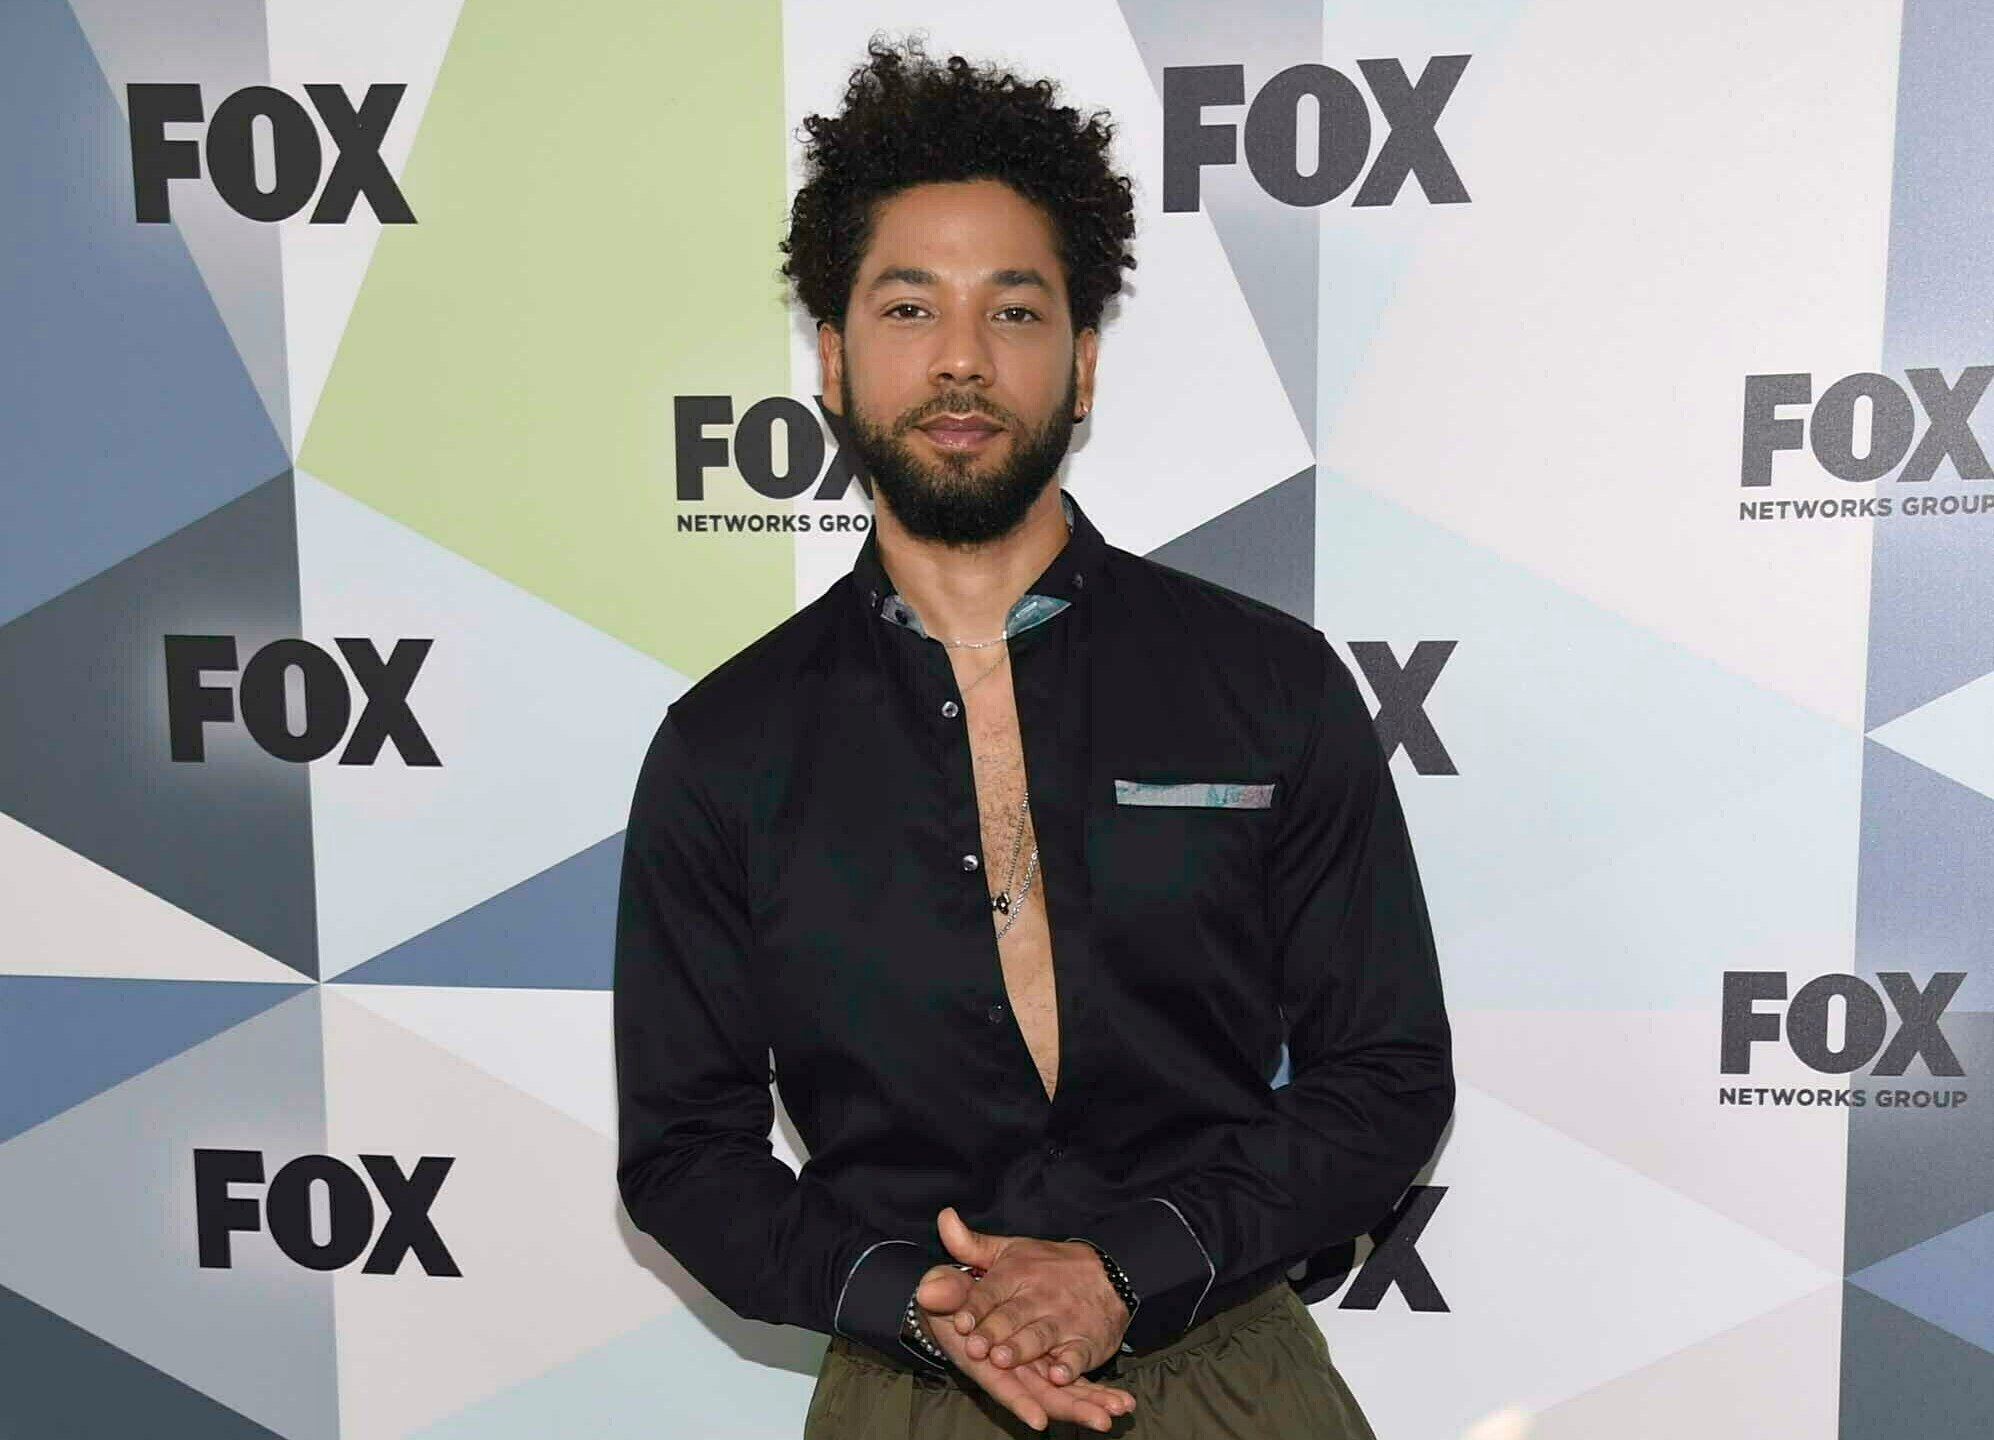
{"x": 1014, "y": 864}
{"x": 881, "y": 845}
{"x": 997, "y": 767}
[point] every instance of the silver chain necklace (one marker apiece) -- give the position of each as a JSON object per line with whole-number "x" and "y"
{"x": 1002, "y": 902}
{"x": 992, "y": 670}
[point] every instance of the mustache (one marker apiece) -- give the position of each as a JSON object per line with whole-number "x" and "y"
{"x": 959, "y": 402}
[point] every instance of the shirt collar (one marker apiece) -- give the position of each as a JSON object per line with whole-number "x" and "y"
{"x": 1060, "y": 584}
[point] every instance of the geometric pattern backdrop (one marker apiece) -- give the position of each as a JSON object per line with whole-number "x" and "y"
{"x": 390, "y": 432}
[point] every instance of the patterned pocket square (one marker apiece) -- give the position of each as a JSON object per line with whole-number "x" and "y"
{"x": 1209, "y": 794}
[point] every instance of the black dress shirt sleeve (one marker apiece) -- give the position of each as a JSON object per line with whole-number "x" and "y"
{"x": 695, "y": 1167}
{"x": 1371, "y": 1078}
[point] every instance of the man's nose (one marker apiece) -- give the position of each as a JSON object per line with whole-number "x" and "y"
{"x": 962, "y": 352}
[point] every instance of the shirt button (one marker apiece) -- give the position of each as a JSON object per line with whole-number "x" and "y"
{"x": 1079, "y": 581}
{"x": 995, "y": 1014}
{"x": 1053, "y": 1150}
{"x": 951, "y": 709}
{"x": 969, "y": 862}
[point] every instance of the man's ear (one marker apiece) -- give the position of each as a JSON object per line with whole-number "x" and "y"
{"x": 831, "y": 366}
{"x": 1086, "y": 350}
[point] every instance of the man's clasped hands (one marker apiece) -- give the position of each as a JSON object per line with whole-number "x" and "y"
{"x": 1031, "y": 1322}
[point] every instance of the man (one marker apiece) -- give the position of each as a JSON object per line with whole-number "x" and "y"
{"x": 1022, "y": 855}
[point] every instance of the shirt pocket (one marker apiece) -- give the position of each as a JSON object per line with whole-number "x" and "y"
{"x": 1178, "y": 866}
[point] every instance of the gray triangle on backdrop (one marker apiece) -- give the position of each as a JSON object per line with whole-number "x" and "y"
{"x": 85, "y": 743}
{"x": 102, "y": 1223}
{"x": 1914, "y": 1174}
{"x": 223, "y": 46}
{"x": 1912, "y": 913}
{"x": 1920, "y": 574}
{"x": 1930, "y": 582}
{"x": 1273, "y": 250}
{"x": 1904, "y": 1377}
{"x": 1273, "y": 247}
{"x": 1263, "y": 547}
{"x": 62, "y": 1380}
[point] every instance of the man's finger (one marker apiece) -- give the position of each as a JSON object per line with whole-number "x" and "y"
{"x": 942, "y": 1289}
{"x": 1012, "y": 1389}
{"x": 1024, "y": 1344}
{"x": 1013, "y": 1396}
{"x": 972, "y": 1247}
{"x": 1114, "y": 1406}
{"x": 1065, "y": 1362}
{"x": 1006, "y": 1387}
{"x": 996, "y": 1323}
{"x": 1099, "y": 1391}
{"x": 1106, "y": 1396}
{"x": 1095, "y": 1408}
{"x": 984, "y": 1296}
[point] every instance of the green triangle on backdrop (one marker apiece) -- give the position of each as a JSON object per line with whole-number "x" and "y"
{"x": 594, "y": 200}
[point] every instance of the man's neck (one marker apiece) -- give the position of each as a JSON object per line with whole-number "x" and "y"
{"x": 963, "y": 592}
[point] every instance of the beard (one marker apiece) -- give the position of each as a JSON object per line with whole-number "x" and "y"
{"x": 946, "y": 500}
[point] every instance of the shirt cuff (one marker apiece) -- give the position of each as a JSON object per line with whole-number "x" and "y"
{"x": 1167, "y": 1265}
{"x": 874, "y": 1299}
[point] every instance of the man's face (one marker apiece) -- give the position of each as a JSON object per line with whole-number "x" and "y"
{"x": 958, "y": 371}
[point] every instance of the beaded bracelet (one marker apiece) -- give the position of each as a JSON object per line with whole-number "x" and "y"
{"x": 1118, "y": 1278}
{"x": 912, "y": 1332}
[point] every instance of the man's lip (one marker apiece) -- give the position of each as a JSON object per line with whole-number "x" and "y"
{"x": 960, "y": 422}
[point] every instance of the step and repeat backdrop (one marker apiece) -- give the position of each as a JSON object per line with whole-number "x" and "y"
{"x": 401, "y": 408}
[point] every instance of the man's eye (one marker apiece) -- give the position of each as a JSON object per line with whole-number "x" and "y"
{"x": 905, "y": 310}
{"x": 1017, "y": 313}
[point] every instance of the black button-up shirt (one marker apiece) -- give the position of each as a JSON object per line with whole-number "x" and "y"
{"x": 1225, "y": 865}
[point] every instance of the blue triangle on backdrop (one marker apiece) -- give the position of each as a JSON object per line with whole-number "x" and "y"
{"x": 1927, "y": 1280}
{"x": 137, "y": 414}
{"x": 1922, "y": 834}
{"x": 65, "y": 1038}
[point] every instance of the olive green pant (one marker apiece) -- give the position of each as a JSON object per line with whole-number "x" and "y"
{"x": 1257, "y": 1371}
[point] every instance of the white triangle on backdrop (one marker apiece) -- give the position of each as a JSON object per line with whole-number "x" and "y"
{"x": 1771, "y": 1378}
{"x": 1953, "y": 735}
{"x": 1661, "y": 1113}
{"x": 1649, "y": 917}
{"x": 555, "y": 1045}
{"x": 1628, "y": 813}
{"x": 1190, "y": 416}
{"x": 353, "y": 44}
{"x": 1559, "y": 376}
{"x": 540, "y": 721}
{"x": 528, "y": 1211}
{"x": 66, "y": 915}
{"x": 1561, "y": 1268}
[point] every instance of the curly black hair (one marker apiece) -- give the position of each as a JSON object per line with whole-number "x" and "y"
{"x": 909, "y": 121}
